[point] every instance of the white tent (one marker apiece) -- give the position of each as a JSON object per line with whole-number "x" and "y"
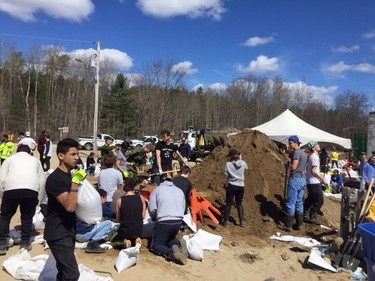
{"x": 287, "y": 124}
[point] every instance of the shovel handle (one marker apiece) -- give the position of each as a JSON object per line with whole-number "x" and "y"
{"x": 366, "y": 198}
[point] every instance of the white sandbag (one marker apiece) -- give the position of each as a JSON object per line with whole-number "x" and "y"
{"x": 22, "y": 266}
{"x": 49, "y": 272}
{"x": 38, "y": 219}
{"x": 89, "y": 204}
{"x": 195, "y": 250}
{"x": 97, "y": 170}
{"x": 127, "y": 258}
{"x": 188, "y": 219}
{"x": 206, "y": 240}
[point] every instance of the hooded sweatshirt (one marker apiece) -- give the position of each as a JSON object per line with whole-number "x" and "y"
{"x": 234, "y": 171}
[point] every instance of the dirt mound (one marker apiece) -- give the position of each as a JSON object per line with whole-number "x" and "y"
{"x": 264, "y": 186}
{"x": 265, "y": 180}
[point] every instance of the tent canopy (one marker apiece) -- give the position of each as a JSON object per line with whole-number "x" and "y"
{"x": 287, "y": 124}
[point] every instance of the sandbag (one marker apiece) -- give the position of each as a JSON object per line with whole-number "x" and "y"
{"x": 38, "y": 219}
{"x": 89, "y": 204}
{"x": 22, "y": 266}
{"x": 127, "y": 258}
{"x": 195, "y": 250}
{"x": 49, "y": 272}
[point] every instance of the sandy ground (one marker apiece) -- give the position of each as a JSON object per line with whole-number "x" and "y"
{"x": 243, "y": 256}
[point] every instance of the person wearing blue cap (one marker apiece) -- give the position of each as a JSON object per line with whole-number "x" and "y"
{"x": 296, "y": 186}
{"x": 315, "y": 199}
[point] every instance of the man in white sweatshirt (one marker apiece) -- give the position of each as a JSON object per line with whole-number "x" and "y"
{"x": 21, "y": 184}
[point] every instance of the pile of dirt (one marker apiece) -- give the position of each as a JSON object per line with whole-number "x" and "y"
{"x": 264, "y": 182}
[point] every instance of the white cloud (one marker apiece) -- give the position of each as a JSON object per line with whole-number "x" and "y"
{"x": 135, "y": 79}
{"x": 261, "y": 65}
{"x": 256, "y": 41}
{"x": 72, "y": 10}
{"x": 369, "y": 35}
{"x": 341, "y": 67}
{"x": 191, "y": 8}
{"x": 185, "y": 67}
{"x": 322, "y": 94}
{"x": 121, "y": 60}
{"x": 216, "y": 87}
{"x": 344, "y": 49}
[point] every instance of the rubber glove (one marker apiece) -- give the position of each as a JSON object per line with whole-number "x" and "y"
{"x": 126, "y": 174}
{"x": 78, "y": 176}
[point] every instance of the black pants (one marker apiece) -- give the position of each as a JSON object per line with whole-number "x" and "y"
{"x": 233, "y": 192}
{"x": 8, "y": 209}
{"x": 315, "y": 198}
{"x": 47, "y": 163}
{"x": 66, "y": 263}
{"x": 41, "y": 157}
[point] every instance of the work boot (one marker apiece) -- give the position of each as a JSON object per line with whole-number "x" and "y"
{"x": 177, "y": 256}
{"x": 93, "y": 247}
{"x": 241, "y": 216}
{"x": 183, "y": 248}
{"x": 306, "y": 217}
{"x": 313, "y": 219}
{"x": 25, "y": 245}
{"x": 288, "y": 224}
{"x": 299, "y": 221}
{"x": 3, "y": 247}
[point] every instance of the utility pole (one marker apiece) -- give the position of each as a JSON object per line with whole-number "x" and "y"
{"x": 96, "y": 102}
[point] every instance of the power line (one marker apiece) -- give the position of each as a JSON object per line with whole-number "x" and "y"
{"x": 48, "y": 38}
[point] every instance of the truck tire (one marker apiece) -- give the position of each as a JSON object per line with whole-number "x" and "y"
{"x": 88, "y": 146}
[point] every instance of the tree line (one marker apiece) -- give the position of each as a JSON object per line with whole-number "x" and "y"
{"x": 48, "y": 89}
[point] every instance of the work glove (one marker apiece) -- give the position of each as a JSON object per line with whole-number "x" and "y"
{"x": 78, "y": 176}
{"x": 126, "y": 174}
{"x": 185, "y": 160}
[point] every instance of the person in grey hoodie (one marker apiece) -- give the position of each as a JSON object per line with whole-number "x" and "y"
{"x": 234, "y": 182}
{"x": 167, "y": 208}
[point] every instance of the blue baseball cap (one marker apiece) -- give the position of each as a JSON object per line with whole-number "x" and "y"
{"x": 294, "y": 139}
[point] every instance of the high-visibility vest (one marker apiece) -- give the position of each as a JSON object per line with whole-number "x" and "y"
{"x": 7, "y": 149}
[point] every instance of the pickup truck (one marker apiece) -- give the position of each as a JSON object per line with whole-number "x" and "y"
{"x": 87, "y": 143}
{"x": 144, "y": 141}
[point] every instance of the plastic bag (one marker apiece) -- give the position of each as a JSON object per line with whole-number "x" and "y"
{"x": 127, "y": 258}
{"x": 89, "y": 204}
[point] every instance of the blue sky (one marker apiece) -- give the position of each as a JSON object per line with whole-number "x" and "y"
{"x": 325, "y": 45}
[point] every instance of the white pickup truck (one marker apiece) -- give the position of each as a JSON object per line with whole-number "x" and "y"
{"x": 87, "y": 143}
{"x": 144, "y": 141}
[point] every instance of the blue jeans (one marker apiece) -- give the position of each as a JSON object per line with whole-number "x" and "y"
{"x": 164, "y": 237}
{"x": 97, "y": 233}
{"x": 294, "y": 201}
{"x": 158, "y": 178}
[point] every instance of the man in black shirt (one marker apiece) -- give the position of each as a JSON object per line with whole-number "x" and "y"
{"x": 62, "y": 192}
{"x": 182, "y": 182}
{"x": 164, "y": 150}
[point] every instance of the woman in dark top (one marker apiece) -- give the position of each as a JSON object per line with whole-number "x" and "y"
{"x": 130, "y": 212}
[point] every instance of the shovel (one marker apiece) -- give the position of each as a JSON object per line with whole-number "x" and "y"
{"x": 349, "y": 261}
{"x": 349, "y": 244}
